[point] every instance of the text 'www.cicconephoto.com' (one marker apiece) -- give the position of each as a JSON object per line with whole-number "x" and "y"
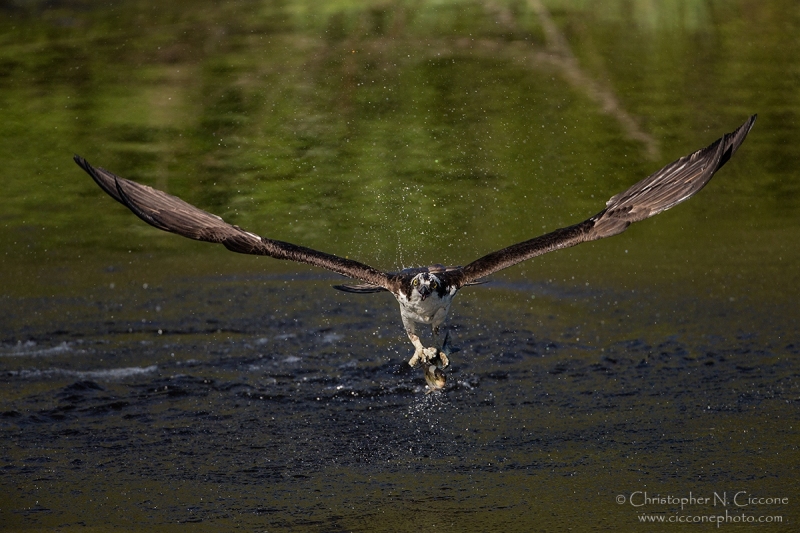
{"x": 719, "y": 508}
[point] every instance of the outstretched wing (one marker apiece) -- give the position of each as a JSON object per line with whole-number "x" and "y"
{"x": 361, "y": 288}
{"x": 666, "y": 188}
{"x": 170, "y": 213}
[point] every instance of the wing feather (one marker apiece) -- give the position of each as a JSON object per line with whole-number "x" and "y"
{"x": 170, "y": 213}
{"x": 671, "y": 185}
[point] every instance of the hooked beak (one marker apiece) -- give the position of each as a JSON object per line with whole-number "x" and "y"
{"x": 424, "y": 292}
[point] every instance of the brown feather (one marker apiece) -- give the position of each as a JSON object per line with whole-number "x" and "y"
{"x": 664, "y": 189}
{"x": 660, "y": 191}
{"x": 170, "y": 213}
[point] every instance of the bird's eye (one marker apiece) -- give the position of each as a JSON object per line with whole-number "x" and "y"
{"x": 433, "y": 285}
{"x": 415, "y": 282}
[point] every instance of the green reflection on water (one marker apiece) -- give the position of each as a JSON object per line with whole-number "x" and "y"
{"x": 397, "y": 134}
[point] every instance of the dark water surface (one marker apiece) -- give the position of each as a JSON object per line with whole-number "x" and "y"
{"x": 153, "y": 383}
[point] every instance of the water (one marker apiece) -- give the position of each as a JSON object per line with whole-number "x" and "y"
{"x": 154, "y": 383}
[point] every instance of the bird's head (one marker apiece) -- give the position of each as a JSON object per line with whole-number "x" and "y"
{"x": 425, "y": 284}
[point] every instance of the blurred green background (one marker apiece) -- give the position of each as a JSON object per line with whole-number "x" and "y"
{"x": 398, "y": 133}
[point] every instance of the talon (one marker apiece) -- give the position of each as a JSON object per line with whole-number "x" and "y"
{"x": 415, "y": 359}
{"x": 430, "y": 353}
{"x": 443, "y": 360}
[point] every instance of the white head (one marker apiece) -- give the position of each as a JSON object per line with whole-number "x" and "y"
{"x": 425, "y": 284}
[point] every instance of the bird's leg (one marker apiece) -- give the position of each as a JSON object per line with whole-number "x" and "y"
{"x": 419, "y": 349}
{"x": 440, "y": 338}
{"x": 432, "y": 368}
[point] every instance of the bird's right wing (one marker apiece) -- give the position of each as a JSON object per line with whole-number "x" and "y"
{"x": 170, "y": 213}
{"x": 671, "y": 185}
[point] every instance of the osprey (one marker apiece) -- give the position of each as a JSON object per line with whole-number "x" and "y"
{"x": 425, "y": 293}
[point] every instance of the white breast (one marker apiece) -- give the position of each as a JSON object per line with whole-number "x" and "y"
{"x": 431, "y": 310}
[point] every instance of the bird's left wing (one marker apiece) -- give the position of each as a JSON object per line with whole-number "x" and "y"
{"x": 170, "y": 213}
{"x": 671, "y": 185}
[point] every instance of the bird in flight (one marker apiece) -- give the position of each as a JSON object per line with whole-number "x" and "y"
{"x": 425, "y": 293}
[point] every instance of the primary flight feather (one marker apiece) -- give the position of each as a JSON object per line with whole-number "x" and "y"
{"x": 425, "y": 293}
